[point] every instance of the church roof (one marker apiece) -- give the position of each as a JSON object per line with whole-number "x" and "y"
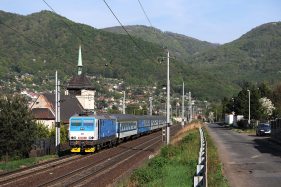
{"x": 80, "y": 82}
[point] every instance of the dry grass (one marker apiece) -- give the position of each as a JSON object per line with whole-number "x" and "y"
{"x": 183, "y": 132}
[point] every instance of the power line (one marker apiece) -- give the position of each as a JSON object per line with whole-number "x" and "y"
{"x": 72, "y": 30}
{"x": 127, "y": 31}
{"x": 153, "y": 29}
{"x": 150, "y": 23}
{"x": 63, "y": 21}
{"x": 33, "y": 42}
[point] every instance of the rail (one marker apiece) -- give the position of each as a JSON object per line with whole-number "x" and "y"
{"x": 201, "y": 170}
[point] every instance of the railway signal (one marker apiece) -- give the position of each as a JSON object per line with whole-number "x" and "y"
{"x": 164, "y": 134}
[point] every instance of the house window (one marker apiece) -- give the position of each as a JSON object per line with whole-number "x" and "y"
{"x": 37, "y": 102}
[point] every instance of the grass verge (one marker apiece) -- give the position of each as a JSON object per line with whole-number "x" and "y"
{"x": 25, "y": 162}
{"x": 174, "y": 166}
{"x": 214, "y": 166}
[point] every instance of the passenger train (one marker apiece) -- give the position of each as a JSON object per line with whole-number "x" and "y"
{"x": 90, "y": 132}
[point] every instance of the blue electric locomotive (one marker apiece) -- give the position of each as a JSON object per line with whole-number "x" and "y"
{"x": 91, "y": 132}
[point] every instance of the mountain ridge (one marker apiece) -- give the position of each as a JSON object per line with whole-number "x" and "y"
{"x": 124, "y": 59}
{"x": 179, "y": 45}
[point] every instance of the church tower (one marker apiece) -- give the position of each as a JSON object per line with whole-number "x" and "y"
{"x": 79, "y": 62}
{"x": 81, "y": 87}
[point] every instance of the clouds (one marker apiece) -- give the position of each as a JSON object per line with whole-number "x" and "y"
{"x": 214, "y": 21}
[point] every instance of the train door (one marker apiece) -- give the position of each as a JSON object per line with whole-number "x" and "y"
{"x": 99, "y": 127}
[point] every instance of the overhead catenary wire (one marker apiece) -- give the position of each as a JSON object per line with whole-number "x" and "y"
{"x": 150, "y": 23}
{"x": 63, "y": 21}
{"x": 70, "y": 28}
{"x": 154, "y": 31}
{"x": 127, "y": 32}
{"x": 34, "y": 42}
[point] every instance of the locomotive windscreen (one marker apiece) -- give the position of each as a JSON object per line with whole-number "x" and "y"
{"x": 88, "y": 122}
{"x": 76, "y": 122}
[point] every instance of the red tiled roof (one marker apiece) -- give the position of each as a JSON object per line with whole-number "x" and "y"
{"x": 69, "y": 105}
{"x": 43, "y": 113}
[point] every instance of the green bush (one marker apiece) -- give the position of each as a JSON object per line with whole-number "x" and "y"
{"x": 188, "y": 138}
{"x": 165, "y": 151}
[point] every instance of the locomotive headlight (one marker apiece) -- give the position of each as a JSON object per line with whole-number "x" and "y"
{"x": 74, "y": 137}
{"x": 89, "y": 137}
{"x": 71, "y": 137}
{"x": 92, "y": 137}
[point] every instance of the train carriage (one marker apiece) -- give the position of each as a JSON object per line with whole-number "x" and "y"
{"x": 126, "y": 126}
{"x": 143, "y": 124}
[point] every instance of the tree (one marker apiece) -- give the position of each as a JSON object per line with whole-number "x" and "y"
{"x": 17, "y": 126}
{"x": 276, "y": 99}
{"x": 267, "y": 106}
{"x": 265, "y": 90}
{"x": 42, "y": 130}
{"x": 240, "y": 104}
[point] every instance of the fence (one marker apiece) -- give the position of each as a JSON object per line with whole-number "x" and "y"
{"x": 201, "y": 170}
{"x": 43, "y": 143}
{"x": 47, "y": 151}
{"x": 276, "y": 130}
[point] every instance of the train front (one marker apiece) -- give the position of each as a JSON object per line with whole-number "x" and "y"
{"x": 82, "y": 133}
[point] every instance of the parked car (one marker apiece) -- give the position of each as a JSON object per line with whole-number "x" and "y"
{"x": 263, "y": 129}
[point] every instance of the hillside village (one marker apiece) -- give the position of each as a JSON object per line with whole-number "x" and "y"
{"x": 101, "y": 94}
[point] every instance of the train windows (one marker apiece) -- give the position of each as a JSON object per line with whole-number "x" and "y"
{"x": 88, "y": 122}
{"x": 76, "y": 122}
{"x": 103, "y": 123}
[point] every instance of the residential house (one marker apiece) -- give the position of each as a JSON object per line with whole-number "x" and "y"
{"x": 44, "y": 108}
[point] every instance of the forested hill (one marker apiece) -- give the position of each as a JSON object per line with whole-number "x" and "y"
{"x": 180, "y": 45}
{"x": 254, "y": 57}
{"x": 125, "y": 60}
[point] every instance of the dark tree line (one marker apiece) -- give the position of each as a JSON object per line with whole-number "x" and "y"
{"x": 240, "y": 103}
{"x": 17, "y": 127}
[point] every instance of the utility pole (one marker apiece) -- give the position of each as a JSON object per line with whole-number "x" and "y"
{"x": 168, "y": 95}
{"x": 182, "y": 106}
{"x": 124, "y": 112}
{"x": 190, "y": 105}
{"x": 249, "y": 107}
{"x": 150, "y": 106}
{"x": 58, "y": 117}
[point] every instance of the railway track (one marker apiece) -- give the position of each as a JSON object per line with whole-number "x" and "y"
{"x": 12, "y": 176}
{"x": 86, "y": 173}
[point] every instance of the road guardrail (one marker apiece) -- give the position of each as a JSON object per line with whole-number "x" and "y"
{"x": 201, "y": 170}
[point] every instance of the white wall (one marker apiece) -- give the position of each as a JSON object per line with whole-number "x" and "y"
{"x": 87, "y": 99}
{"x": 228, "y": 119}
{"x": 236, "y": 119}
{"x": 49, "y": 123}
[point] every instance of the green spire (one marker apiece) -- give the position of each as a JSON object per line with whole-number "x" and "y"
{"x": 79, "y": 61}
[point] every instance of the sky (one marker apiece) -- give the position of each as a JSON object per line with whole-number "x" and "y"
{"x": 216, "y": 21}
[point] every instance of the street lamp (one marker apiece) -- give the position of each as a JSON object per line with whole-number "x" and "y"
{"x": 249, "y": 107}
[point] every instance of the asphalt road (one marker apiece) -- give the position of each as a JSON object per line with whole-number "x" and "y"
{"x": 247, "y": 161}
